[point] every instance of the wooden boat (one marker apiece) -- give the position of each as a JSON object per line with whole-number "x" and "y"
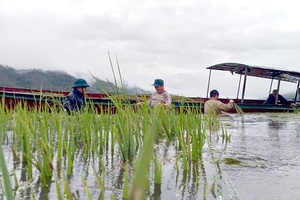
{"x": 32, "y": 98}
{"x": 43, "y": 99}
{"x": 257, "y": 105}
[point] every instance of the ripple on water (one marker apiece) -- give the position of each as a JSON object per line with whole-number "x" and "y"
{"x": 269, "y": 147}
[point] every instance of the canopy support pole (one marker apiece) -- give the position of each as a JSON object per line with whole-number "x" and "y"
{"x": 244, "y": 86}
{"x": 296, "y": 95}
{"x": 278, "y": 86}
{"x": 208, "y": 83}
{"x": 238, "y": 92}
{"x": 271, "y": 86}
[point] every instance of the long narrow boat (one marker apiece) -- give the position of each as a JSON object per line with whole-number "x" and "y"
{"x": 32, "y": 98}
{"x": 43, "y": 99}
{"x": 257, "y": 105}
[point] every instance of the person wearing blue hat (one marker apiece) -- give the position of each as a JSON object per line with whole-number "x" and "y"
{"x": 75, "y": 100}
{"x": 214, "y": 106}
{"x": 161, "y": 96}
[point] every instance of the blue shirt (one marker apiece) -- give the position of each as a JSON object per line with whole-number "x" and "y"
{"x": 74, "y": 101}
{"x": 271, "y": 100}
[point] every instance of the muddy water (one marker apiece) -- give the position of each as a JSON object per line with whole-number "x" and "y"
{"x": 268, "y": 146}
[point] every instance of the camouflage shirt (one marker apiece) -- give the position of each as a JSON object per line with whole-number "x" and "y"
{"x": 163, "y": 98}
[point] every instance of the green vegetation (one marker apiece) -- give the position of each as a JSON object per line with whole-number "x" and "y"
{"x": 47, "y": 143}
{"x": 231, "y": 161}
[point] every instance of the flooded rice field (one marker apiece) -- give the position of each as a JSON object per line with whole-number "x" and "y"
{"x": 264, "y": 150}
{"x": 269, "y": 147}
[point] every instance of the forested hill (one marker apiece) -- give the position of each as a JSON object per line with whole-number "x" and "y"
{"x": 51, "y": 80}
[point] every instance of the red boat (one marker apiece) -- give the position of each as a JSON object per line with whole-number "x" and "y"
{"x": 32, "y": 98}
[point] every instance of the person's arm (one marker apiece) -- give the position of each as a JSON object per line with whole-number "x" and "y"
{"x": 269, "y": 100}
{"x": 168, "y": 99}
{"x": 283, "y": 100}
{"x": 225, "y": 107}
{"x": 67, "y": 105}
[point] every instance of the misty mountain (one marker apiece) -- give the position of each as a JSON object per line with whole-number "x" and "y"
{"x": 56, "y": 80}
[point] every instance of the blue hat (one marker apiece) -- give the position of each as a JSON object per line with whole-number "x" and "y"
{"x": 158, "y": 82}
{"x": 80, "y": 83}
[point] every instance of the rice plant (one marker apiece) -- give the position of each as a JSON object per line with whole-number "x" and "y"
{"x": 46, "y": 141}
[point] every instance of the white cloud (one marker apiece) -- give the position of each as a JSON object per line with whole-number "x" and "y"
{"x": 173, "y": 40}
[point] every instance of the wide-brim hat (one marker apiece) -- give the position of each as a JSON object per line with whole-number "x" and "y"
{"x": 80, "y": 83}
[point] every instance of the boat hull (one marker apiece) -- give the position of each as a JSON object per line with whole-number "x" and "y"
{"x": 49, "y": 100}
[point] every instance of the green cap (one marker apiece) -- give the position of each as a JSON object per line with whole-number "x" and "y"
{"x": 158, "y": 82}
{"x": 80, "y": 83}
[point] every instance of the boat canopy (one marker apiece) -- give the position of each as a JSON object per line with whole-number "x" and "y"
{"x": 263, "y": 72}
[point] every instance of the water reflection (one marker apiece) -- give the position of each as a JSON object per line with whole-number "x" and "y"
{"x": 268, "y": 146}
{"x": 156, "y": 192}
{"x": 276, "y": 124}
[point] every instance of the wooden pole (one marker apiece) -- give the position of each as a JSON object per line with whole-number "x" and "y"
{"x": 208, "y": 83}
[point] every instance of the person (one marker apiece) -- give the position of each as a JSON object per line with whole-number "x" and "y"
{"x": 75, "y": 100}
{"x": 215, "y": 106}
{"x": 161, "y": 96}
{"x": 272, "y": 99}
{"x": 298, "y": 95}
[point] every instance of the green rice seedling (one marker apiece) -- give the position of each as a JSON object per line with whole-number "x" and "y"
{"x": 41, "y": 140}
{"x": 125, "y": 194}
{"x": 101, "y": 183}
{"x": 69, "y": 160}
{"x": 16, "y": 181}
{"x": 238, "y": 109}
{"x": 157, "y": 170}
{"x": 59, "y": 136}
{"x": 86, "y": 189}
{"x": 57, "y": 186}
{"x": 184, "y": 149}
{"x": 32, "y": 195}
{"x": 198, "y": 137}
{"x": 5, "y": 175}
{"x": 216, "y": 187}
{"x": 125, "y": 129}
{"x": 72, "y": 135}
{"x": 176, "y": 164}
{"x": 142, "y": 166}
{"x": 231, "y": 161}
{"x": 225, "y": 136}
{"x": 25, "y": 129}
{"x": 66, "y": 186}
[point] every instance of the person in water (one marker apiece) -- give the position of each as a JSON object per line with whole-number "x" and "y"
{"x": 214, "y": 106}
{"x": 161, "y": 96}
{"x": 75, "y": 100}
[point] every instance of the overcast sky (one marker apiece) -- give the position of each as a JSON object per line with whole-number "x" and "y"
{"x": 170, "y": 39}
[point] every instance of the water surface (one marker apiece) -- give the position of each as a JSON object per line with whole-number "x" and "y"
{"x": 268, "y": 146}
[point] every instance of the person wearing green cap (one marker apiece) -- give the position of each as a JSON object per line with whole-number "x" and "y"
{"x": 75, "y": 100}
{"x": 161, "y": 96}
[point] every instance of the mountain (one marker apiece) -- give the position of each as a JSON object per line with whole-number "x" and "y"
{"x": 55, "y": 80}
